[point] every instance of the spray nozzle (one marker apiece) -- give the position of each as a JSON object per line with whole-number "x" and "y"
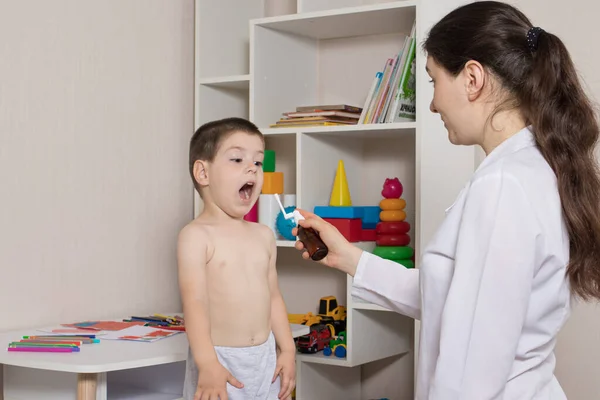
{"x": 295, "y": 215}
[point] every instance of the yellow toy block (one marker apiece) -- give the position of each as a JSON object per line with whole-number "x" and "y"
{"x": 273, "y": 183}
{"x": 392, "y": 204}
{"x": 340, "y": 195}
{"x": 392, "y": 215}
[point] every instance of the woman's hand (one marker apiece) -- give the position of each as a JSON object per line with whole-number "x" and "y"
{"x": 342, "y": 254}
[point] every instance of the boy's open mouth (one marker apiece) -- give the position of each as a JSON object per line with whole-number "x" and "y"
{"x": 246, "y": 190}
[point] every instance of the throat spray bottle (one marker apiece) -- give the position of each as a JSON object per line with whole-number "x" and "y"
{"x": 308, "y": 236}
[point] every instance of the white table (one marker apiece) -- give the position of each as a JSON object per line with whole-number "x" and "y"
{"x": 112, "y": 368}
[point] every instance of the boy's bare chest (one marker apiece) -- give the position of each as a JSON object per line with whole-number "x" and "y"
{"x": 243, "y": 251}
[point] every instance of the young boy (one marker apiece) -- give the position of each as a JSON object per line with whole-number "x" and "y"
{"x": 235, "y": 316}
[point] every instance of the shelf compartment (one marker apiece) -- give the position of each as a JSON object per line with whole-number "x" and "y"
{"x": 158, "y": 382}
{"x": 367, "y": 164}
{"x": 220, "y": 101}
{"x": 365, "y": 20}
{"x": 222, "y": 49}
{"x": 289, "y": 69}
{"x": 128, "y": 392}
{"x": 392, "y": 330}
{"x": 303, "y": 282}
{"x": 239, "y": 82}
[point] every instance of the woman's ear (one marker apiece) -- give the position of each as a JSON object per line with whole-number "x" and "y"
{"x": 201, "y": 172}
{"x": 475, "y": 77}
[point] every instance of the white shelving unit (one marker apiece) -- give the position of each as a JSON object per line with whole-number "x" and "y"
{"x": 252, "y": 64}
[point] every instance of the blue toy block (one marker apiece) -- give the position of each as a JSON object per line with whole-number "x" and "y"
{"x": 339, "y": 211}
{"x": 370, "y": 216}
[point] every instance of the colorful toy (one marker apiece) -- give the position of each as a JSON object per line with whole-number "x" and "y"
{"x": 356, "y": 223}
{"x": 392, "y": 232}
{"x": 266, "y": 211}
{"x": 269, "y": 161}
{"x": 368, "y": 235}
{"x": 285, "y": 225}
{"x": 392, "y": 188}
{"x": 351, "y": 228}
{"x": 252, "y": 215}
{"x": 340, "y": 195}
{"x": 273, "y": 183}
{"x": 317, "y": 340}
{"x": 330, "y": 314}
{"x": 337, "y": 346}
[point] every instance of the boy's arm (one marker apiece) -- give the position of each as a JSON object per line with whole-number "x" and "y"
{"x": 279, "y": 317}
{"x": 192, "y": 258}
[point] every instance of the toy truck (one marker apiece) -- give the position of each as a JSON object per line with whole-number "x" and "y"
{"x": 337, "y": 346}
{"x": 330, "y": 314}
{"x": 317, "y": 340}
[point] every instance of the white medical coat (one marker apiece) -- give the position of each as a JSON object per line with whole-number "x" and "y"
{"x": 491, "y": 290}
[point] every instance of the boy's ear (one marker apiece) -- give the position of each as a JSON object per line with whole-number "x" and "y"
{"x": 201, "y": 172}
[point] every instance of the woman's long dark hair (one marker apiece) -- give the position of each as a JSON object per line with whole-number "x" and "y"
{"x": 536, "y": 69}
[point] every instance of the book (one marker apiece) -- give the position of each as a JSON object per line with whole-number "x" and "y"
{"x": 330, "y": 107}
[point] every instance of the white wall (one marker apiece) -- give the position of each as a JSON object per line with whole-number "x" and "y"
{"x": 96, "y": 108}
{"x": 578, "y": 351}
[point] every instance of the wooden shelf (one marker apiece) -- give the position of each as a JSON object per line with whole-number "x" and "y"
{"x": 286, "y": 243}
{"x": 364, "y": 130}
{"x": 361, "y": 305}
{"x": 395, "y": 17}
{"x": 319, "y": 358}
{"x": 238, "y": 82}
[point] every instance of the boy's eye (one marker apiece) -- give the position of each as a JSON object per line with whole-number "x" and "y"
{"x": 237, "y": 160}
{"x": 258, "y": 163}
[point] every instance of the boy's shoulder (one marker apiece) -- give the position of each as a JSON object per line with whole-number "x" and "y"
{"x": 264, "y": 231}
{"x": 194, "y": 232}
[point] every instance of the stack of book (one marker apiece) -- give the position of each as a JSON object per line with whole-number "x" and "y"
{"x": 391, "y": 97}
{"x": 320, "y": 115}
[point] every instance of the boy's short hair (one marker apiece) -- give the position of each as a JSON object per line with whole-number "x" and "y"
{"x": 204, "y": 145}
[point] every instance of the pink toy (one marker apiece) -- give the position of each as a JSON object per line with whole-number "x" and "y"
{"x": 392, "y": 188}
{"x": 252, "y": 215}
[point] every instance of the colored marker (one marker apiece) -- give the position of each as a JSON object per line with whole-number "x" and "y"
{"x": 44, "y": 349}
{"x": 32, "y": 344}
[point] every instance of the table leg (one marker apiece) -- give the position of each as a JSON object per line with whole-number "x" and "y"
{"x": 1, "y": 381}
{"x": 86, "y": 386}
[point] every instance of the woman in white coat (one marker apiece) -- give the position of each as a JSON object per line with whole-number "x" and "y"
{"x": 495, "y": 283}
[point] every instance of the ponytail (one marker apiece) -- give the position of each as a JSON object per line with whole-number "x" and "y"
{"x": 536, "y": 70}
{"x": 566, "y": 131}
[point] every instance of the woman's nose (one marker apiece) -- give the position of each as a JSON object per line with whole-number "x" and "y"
{"x": 432, "y": 107}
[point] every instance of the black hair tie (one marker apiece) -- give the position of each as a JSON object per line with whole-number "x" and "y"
{"x": 532, "y": 37}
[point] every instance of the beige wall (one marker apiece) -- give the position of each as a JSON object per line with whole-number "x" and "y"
{"x": 578, "y": 351}
{"x": 96, "y": 108}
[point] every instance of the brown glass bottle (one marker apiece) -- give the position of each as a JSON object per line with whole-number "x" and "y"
{"x": 313, "y": 243}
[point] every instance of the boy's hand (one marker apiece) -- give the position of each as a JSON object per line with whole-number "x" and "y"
{"x": 212, "y": 382}
{"x": 286, "y": 369}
